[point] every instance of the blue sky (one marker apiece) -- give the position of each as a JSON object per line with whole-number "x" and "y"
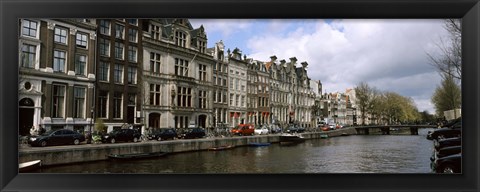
{"x": 387, "y": 54}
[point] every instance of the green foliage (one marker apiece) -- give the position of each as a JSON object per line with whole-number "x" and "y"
{"x": 447, "y": 96}
{"x": 100, "y": 126}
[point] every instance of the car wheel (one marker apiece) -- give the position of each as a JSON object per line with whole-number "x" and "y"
{"x": 112, "y": 140}
{"x": 135, "y": 139}
{"x": 43, "y": 143}
{"x": 448, "y": 169}
{"x": 76, "y": 142}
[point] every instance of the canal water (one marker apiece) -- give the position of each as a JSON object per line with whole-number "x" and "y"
{"x": 347, "y": 154}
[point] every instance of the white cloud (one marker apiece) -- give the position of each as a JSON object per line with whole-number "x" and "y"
{"x": 389, "y": 54}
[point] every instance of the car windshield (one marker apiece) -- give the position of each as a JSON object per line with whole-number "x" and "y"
{"x": 48, "y": 132}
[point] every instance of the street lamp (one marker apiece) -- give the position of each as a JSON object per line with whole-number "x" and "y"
{"x": 91, "y": 125}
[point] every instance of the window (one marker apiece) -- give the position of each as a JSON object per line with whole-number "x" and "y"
{"x": 236, "y": 84}
{"x": 224, "y": 97}
{"x": 102, "y": 104}
{"x": 219, "y": 97}
{"x": 231, "y": 99}
{"x": 132, "y": 54}
{"x": 81, "y": 40}
{"x": 29, "y": 28}
{"x": 184, "y": 97}
{"x": 154, "y": 94}
{"x": 58, "y": 101}
{"x": 104, "y": 47}
{"x": 215, "y": 66}
{"x": 103, "y": 71}
{"x": 214, "y": 80}
{"x": 105, "y": 27}
{"x": 181, "y": 67}
{"x": 202, "y": 72}
{"x": 117, "y": 105}
{"x": 118, "y": 73}
{"x": 155, "y": 32}
{"x": 132, "y": 75}
{"x": 60, "y": 35}
{"x": 119, "y": 50}
{"x": 202, "y": 99}
{"x": 59, "y": 61}
{"x": 132, "y": 21}
{"x": 243, "y": 101}
{"x": 237, "y": 100}
{"x": 79, "y": 102}
{"x": 154, "y": 62}
{"x": 202, "y": 46}
{"x": 224, "y": 82}
{"x": 119, "y": 31}
{"x": 80, "y": 63}
{"x": 28, "y": 55}
{"x": 243, "y": 87}
{"x": 180, "y": 39}
{"x": 132, "y": 35}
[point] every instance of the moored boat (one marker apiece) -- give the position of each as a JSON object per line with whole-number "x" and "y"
{"x": 220, "y": 148}
{"x": 290, "y": 139}
{"x": 29, "y": 165}
{"x": 323, "y": 136}
{"x": 258, "y": 144}
{"x": 131, "y": 156}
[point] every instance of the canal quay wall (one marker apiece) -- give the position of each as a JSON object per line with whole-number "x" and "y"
{"x": 57, "y": 155}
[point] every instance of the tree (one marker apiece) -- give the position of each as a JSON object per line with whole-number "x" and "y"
{"x": 447, "y": 96}
{"x": 449, "y": 60}
{"x": 364, "y": 99}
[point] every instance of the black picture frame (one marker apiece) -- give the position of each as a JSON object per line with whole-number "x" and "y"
{"x": 11, "y": 11}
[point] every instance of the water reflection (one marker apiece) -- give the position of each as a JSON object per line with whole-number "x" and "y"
{"x": 351, "y": 154}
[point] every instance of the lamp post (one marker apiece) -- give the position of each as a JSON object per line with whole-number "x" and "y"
{"x": 91, "y": 125}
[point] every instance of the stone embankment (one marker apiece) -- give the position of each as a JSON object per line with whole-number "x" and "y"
{"x": 68, "y": 154}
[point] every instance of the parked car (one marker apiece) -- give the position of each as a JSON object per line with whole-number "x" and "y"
{"x": 446, "y": 151}
{"x": 448, "y": 164}
{"x": 441, "y": 143}
{"x": 122, "y": 135}
{"x": 332, "y": 126}
{"x": 326, "y": 128}
{"x": 446, "y": 132}
{"x": 57, "y": 137}
{"x": 243, "y": 129}
{"x": 164, "y": 134}
{"x": 261, "y": 130}
{"x": 275, "y": 129}
{"x": 295, "y": 129}
{"x": 193, "y": 133}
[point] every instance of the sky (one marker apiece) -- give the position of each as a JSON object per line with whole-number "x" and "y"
{"x": 388, "y": 54}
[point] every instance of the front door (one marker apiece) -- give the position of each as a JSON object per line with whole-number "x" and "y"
{"x": 131, "y": 114}
{"x": 25, "y": 116}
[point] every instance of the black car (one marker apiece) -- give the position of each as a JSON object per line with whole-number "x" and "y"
{"x": 295, "y": 129}
{"x": 122, "y": 135}
{"x": 57, "y": 137}
{"x": 441, "y": 143}
{"x": 164, "y": 134}
{"x": 193, "y": 133}
{"x": 446, "y": 151}
{"x": 451, "y": 129}
{"x": 448, "y": 164}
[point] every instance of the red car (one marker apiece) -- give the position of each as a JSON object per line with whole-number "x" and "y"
{"x": 243, "y": 129}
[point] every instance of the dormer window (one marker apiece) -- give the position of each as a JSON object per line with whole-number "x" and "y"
{"x": 155, "y": 32}
{"x": 180, "y": 39}
{"x": 202, "y": 46}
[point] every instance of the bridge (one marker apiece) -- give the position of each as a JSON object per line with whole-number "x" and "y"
{"x": 387, "y": 129}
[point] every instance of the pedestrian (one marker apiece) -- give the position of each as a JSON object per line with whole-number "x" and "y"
{"x": 33, "y": 131}
{"x": 42, "y": 130}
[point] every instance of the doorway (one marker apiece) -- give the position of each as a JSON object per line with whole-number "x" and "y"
{"x": 26, "y": 112}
